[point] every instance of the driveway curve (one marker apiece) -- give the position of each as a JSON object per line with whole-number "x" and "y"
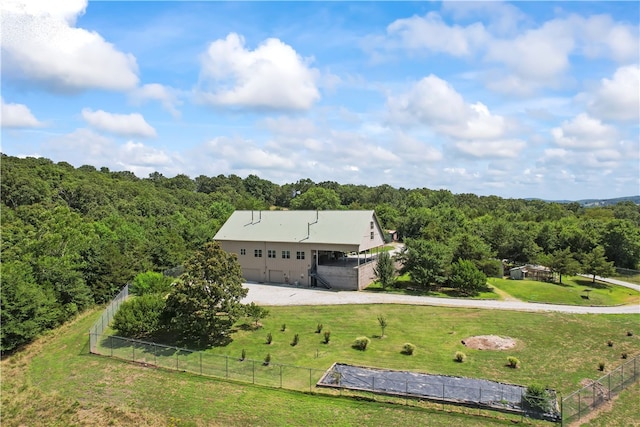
{"x": 280, "y": 295}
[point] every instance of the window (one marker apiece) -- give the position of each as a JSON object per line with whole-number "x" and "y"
{"x": 300, "y": 255}
{"x": 371, "y": 225}
{"x": 286, "y": 254}
{"x": 257, "y": 253}
{"x": 243, "y": 251}
{"x": 271, "y": 253}
{"x": 372, "y": 235}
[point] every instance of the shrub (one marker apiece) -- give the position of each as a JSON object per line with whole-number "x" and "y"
{"x": 150, "y": 282}
{"x": 327, "y": 337}
{"x": 629, "y": 333}
{"x": 408, "y": 349}
{"x": 318, "y": 328}
{"x": 269, "y": 338}
{"x": 267, "y": 359}
{"x": 513, "y": 362}
{"x": 139, "y": 317}
{"x": 361, "y": 343}
{"x": 243, "y": 354}
{"x": 537, "y": 397}
{"x": 460, "y": 357}
{"x": 610, "y": 343}
{"x": 295, "y": 341}
{"x": 283, "y": 327}
{"x": 601, "y": 366}
{"x": 625, "y": 355}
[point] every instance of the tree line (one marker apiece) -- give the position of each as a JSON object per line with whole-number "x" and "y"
{"x": 72, "y": 237}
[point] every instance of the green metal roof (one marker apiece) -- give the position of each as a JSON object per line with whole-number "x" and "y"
{"x": 326, "y": 227}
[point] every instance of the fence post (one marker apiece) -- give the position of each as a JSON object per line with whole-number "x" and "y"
{"x": 155, "y": 362}
{"x": 133, "y": 352}
{"x": 609, "y": 377}
{"x": 111, "y": 345}
{"x": 595, "y": 395}
{"x": 443, "y": 386}
{"x": 373, "y": 383}
{"x": 622, "y": 378}
{"x": 579, "y": 406}
{"x": 200, "y": 363}
{"x": 561, "y": 411}
{"x": 177, "y": 360}
{"x": 480, "y": 401}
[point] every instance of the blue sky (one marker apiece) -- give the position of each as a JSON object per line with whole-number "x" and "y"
{"x": 521, "y": 99}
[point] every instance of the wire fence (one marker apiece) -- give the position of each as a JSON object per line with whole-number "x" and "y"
{"x": 581, "y": 402}
{"x": 105, "y": 318}
{"x": 421, "y": 393}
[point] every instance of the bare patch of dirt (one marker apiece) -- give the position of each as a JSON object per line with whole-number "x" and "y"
{"x": 489, "y": 342}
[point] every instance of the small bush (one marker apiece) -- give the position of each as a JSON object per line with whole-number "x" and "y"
{"x": 283, "y": 327}
{"x": 269, "y": 338}
{"x": 601, "y": 366}
{"x": 139, "y": 317}
{"x": 629, "y": 333}
{"x": 327, "y": 337}
{"x": 610, "y": 343}
{"x": 295, "y": 341}
{"x": 537, "y": 397}
{"x": 408, "y": 349}
{"x": 319, "y": 328}
{"x": 625, "y": 355}
{"x": 361, "y": 343}
{"x": 513, "y": 362}
{"x": 243, "y": 354}
{"x": 267, "y": 359}
{"x": 460, "y": 357}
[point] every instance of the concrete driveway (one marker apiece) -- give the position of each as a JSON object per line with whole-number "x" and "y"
{"x": 275, "y": 295}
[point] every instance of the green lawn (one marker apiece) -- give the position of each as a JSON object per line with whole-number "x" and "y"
{"x": 623, "y": 412}
{"x": 629, "y": 278}
{"x": 571, "y": 291}
{"x": 404, "y": 285}
{"x": 55, "y": 382}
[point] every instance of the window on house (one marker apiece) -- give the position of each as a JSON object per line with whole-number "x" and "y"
{"x": 372, "y": 235}
{"x": 243, "y": 251}
{"x": 371, "y": 225}
{"x": 257, "y": 253}
{"x": 300, "y": 255}
{"x": 271, "y": 253}
{"x": 286, "y": 254}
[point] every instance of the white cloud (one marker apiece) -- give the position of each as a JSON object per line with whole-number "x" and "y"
{"x": 508, "y": 148}
{"x": 84, "y": 146}
{"x": 434, "y": 102}
{"x": 120, "y": 124}
{"x": 167, "y": 96}
{"x": 433, "y": 34}
{"x": 41, "y": 45}
{"x": 17, "y": 116}
{"x": 272, "y": 76}
{"x": 584, "y": 133}
{"x": 618, "y": 98}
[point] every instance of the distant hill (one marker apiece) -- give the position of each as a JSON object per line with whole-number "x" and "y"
{"x": 589, "y": 203}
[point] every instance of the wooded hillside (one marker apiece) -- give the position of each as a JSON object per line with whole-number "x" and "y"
{"x": 71, "y": 237}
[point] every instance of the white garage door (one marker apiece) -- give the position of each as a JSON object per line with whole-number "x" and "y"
{"x": 276, "y": 276}
{"x": 252, "y": 274}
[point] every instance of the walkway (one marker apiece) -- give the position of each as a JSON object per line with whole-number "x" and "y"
{"x": 291, "y": 295}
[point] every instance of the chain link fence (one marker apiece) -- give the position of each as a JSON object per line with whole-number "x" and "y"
{"x": 103, "y": 322}
{"x": 581, "y": 402}
{"x": 259, "y": 372}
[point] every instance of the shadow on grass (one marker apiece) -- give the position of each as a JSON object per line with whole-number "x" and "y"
{"x": 589, "y": 284}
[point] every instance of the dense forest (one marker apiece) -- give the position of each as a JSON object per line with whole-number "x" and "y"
{"x": 72, "y": 237}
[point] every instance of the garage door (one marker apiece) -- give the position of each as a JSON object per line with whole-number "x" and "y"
{"x": 276, "y": 276}
{"x": 252, "y": 274}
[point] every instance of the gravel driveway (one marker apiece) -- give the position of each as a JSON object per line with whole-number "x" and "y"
{"x": 291, "y": 295}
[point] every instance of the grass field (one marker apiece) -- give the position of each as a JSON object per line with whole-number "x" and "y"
{"x": 56, "y": 382}
{"x": 404, "y": 286}
{"x": 635, "y": 278}
{"x": 571, "y": 291}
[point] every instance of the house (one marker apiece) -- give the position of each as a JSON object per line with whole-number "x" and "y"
{"x": 334, "y": 249}
{"x": 531, "y": 272}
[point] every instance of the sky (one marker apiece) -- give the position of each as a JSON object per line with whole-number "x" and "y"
{"x": 514, "y": 99}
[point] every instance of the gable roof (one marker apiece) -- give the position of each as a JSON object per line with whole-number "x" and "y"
{"x": 326, "y": 227}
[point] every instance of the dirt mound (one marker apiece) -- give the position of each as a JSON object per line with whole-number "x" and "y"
{"x": 489, "y": 342}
